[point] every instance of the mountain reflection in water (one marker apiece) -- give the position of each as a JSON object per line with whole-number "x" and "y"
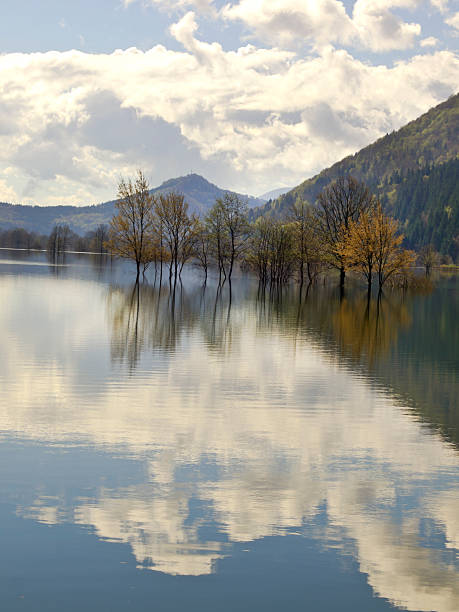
{"x": 251, "y": 417}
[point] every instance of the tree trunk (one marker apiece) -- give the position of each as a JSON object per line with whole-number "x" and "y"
{"x": 231, "y": 267}
{"x": 342, "y": 276}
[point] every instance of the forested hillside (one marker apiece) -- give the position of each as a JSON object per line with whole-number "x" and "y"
{"x": 426, "y": 202}
{"x": 410, "y": 171}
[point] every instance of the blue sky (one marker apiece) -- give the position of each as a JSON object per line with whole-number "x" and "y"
{"x": 253, "y": 94}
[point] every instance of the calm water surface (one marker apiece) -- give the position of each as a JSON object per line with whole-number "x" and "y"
{"x": 201, "y": 453}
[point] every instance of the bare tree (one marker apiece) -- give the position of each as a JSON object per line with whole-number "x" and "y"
{"x": 177, "y": 229}
{"x": 272, "y": 251}
{"x": 338, "y": 204}
{"x": 237, "y": 227}
{"x": 100, "y": 238}
{"x": 228, "y": 229}
{"x": 258, "y": 255}
{"x": 202, "y": 249}
{"x": 309, "y": 249}
{"x": 58, "y": 240}
{"x": 428, "y": 258}
{"x": 131, "y": 231}
{"x": 216, "y": 231}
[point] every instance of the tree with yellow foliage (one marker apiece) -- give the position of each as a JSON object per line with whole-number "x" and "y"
{"x": 359, "y": 244}
{"x": 373, "y": 246}
{"x": 131, "y": 231}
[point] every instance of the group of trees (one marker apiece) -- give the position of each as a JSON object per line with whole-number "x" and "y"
{"x": 19, "y": 238}
{"x": 61, "y": 239}
{"x": 346, "y": 230}
{"x": 160, "y": 229}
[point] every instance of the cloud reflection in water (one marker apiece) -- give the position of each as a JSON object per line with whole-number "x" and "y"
{"x": 245, "y": 410}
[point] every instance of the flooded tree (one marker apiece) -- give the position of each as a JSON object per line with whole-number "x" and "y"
{"x": 309, "y": 251}
{"x": 202, "y": 247}
{"x": 19, "y": 238}
{"x": 390, "y": 258}
{"x": 428, "y": 258}
{"x": 236, "y": 226}
{"x": 282, "y": 253}
{"x": 131, "y": 231}
{"x": 100, "y": 238}
{"x": 338, "y": 205}
{"x": 358, "y": 248}
{"x": 228, "y": 231}
{"x": 58, "y": 240}
{"x": 272, "y": 251}
{"x": 373, "y": 246}
{"x": 218, "y": 238}
{"x": 258, "y": 256}
{"x": 178, "y": 230}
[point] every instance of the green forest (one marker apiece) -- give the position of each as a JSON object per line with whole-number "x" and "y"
{"x": 425, "y": 202}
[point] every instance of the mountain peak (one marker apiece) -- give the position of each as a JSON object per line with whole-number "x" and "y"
{"x": 191, "y": 178}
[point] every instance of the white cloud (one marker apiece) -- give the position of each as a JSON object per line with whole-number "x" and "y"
{"x": 7, "y": 193}
{"x": 453, "y": 21}
{"x": 373, "y": 24}
{"x": 431, "y": 41}
{"x": 71, "y": 122}
{"x": 380, "y": 29}
{"x": 441, "y": 5}
{"x": 286, "y": 21}
{"x": 202, "y": 6}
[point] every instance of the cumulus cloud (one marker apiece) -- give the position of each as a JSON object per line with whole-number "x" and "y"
{"x": 285, "y": 21}
{"x": 373, "y": 23}
{"x": 453, "y": 21}
{"x": 71, "y": 122}
{"x": 441, "y": 5}
{"x": 7, "y": 193}
{"x": 380, "y": 29}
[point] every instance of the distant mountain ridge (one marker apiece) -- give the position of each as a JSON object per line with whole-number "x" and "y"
{"x": 199, "y": 193}
{"x": 425, "y": 144}
{"x": 274, "y": 193}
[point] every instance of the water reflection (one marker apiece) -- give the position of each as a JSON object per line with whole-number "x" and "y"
{"x": 249, "y": 419}
{"x": 368, "y": 328}
{"x": 361, "y": 332}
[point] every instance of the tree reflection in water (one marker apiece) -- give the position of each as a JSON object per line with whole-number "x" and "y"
{"x": 151, "y": 317}
{"x": 374, "y": 337}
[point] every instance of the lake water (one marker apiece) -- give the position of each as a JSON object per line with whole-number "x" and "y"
{"x": 193, "y": 452}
